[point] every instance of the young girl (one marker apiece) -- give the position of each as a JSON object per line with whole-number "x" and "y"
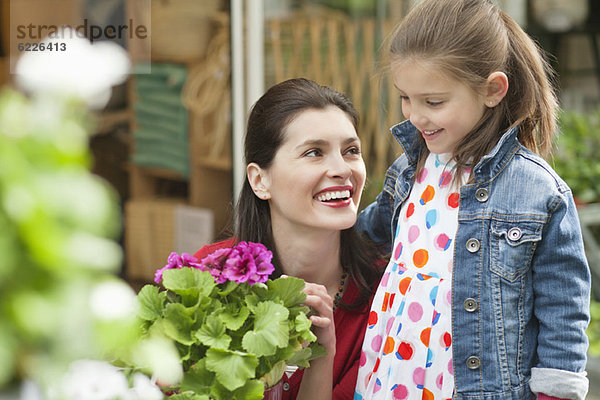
{"x": 486, "y": 294}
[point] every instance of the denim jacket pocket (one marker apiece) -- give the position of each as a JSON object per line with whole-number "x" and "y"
{"x": 512, "y": 247}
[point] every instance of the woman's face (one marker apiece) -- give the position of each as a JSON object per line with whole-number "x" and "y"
{"x": 318, "y": 174}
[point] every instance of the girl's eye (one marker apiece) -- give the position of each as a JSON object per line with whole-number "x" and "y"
{"x": 404, "y": 98}
{"x": 435, "y": 103}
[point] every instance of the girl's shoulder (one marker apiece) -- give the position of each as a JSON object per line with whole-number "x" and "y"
{"x": 535, "y": 169}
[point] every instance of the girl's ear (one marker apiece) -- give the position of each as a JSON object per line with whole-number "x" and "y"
{"x": 497, "y": 86}
{"x": 259, "y": 181}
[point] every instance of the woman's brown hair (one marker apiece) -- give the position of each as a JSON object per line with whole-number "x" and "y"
{"x": 265, "y": 133}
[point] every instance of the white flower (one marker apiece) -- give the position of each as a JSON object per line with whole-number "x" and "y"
{"x": 94, "y": 380}
{"x": 84, "y": 70}
{"x": 144, "y": 389}
{"x": 112, "y": 300}
{"x": 160, "y": 356}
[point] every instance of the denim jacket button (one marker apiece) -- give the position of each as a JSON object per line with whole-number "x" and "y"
{"x": 470, "y": 305}
{"x": 514, "y": 234}
{"x": 473, "y": 245}
{"x": 482, "y": 195}
{"x": 473, "y": 362}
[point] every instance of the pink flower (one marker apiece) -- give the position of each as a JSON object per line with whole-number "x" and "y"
{"x": 247, "y": 262}
{"x": 215, "y": 264}
{"x": 252, "y": 265}
{"x": 175, "y": 262}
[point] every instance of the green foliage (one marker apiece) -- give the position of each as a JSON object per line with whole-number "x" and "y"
{"x": 576, "y": 155}
{"x": 57, "y": 242}
{"x": 232, "y": 338}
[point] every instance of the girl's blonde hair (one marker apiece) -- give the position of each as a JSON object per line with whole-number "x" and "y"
{"x": 468, "y": 40}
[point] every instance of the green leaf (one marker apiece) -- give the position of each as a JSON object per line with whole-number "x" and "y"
{"x": 301, "y": 357}
{"x": 288, "y": 290}
{"x": 178, "y": 323}
{"x": 198, "y": 379}
{"x": 190, "y": 283}
{"x": 234, "y": 316}
{"x": 302, "y": 325}
{"x": 252, "y": 390}
{"x": 271, "y": 330}
{"x": 212, "y": 333}
{"x": 151, "y": 303}
{"x": 233, "y": 368}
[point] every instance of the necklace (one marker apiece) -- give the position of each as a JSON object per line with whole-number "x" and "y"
{"x": 340, "y": 291}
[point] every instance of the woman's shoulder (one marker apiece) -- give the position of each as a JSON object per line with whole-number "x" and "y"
{"x": 210, "y": 248}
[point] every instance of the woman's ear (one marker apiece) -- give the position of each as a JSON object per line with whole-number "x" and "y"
{"x": 496, "y": 88}
{"x": 259, "y": 181}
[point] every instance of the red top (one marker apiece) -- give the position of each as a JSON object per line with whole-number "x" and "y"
{"x": 349, "y": 333}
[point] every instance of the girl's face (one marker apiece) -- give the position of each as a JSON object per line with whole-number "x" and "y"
{"x": 317, "y": 176}
{"x": 443, "y": 109}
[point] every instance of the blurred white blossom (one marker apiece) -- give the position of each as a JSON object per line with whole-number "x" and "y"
{"x": 113, "y": 299}
{"x": 144, "y": 389}
{"x": 159, "y": 355}
{"x": 94, "y": 380}
{"x": 83, "y": 70}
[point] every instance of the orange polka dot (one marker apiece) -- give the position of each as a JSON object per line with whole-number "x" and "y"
{"x": 420, "y": 258}
{"x": 388, "y": 347}
{"x": 427, "y": 195}
{"x": 425, "y": 335}
{"x": 427, "y": 395}
{"x": 403, "y": 285}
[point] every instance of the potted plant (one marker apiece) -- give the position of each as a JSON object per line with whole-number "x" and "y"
{"x": 235, "y": 330}
{"x": 576, "y": 155}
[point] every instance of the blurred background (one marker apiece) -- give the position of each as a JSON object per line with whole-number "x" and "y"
{"x": 169, "y": 140}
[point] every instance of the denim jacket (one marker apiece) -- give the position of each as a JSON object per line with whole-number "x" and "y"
{"x": 521, "y": 283}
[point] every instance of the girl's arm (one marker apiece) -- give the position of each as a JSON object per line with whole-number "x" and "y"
{"x": 317, "y": 380}
{"x": 561, "y": 284}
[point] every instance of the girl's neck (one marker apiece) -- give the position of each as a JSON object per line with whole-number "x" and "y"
{"x": 311, "y": 255}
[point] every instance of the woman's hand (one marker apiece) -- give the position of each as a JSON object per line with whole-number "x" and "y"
{"x": 321, "y": 304}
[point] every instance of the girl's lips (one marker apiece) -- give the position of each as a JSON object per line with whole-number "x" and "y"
{"x": 431, "y": 134}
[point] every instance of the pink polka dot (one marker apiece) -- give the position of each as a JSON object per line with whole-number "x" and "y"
{"x": 398, "y": 250}
{"x": 384, "y": 279}
{"x": 439, "y": 381}
{"x": 413, "y": 233}
{"x": 415, "y": 311}
{"x": 442, "y": 242}
{"x": 450, "y": 367}
{"x": 445, "y": 179}
{"x": 449, "y": 297}
{"x": 419, "y": 376}
{"x": 422, "y": 175}
{"x": 363, "y": 359}
{"x": 389, "y": 325}
{"x": 376, "y": 343}
{"x": 400, "y": 392}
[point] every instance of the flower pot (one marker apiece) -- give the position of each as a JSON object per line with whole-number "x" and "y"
{"x": 274, "y": 392}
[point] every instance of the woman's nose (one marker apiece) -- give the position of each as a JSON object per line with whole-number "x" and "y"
{"x": 339, "y": 167}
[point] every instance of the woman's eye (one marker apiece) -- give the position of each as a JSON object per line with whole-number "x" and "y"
{"x": 354, "y": 150}
{"x": 404, "y": 98}
{"x": 312, "y": 153}
{"x": 434, "y": 103}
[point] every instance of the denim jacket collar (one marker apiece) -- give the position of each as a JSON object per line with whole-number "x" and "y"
{"x": 489, "y": 165}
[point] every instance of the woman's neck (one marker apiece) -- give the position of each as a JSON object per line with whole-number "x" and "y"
{"x": 311, "y": 255}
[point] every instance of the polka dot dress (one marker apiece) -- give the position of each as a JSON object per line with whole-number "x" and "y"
{"x": 407, "y": 352}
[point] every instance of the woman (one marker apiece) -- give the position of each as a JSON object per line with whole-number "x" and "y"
{"x": 305, "y": 178}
